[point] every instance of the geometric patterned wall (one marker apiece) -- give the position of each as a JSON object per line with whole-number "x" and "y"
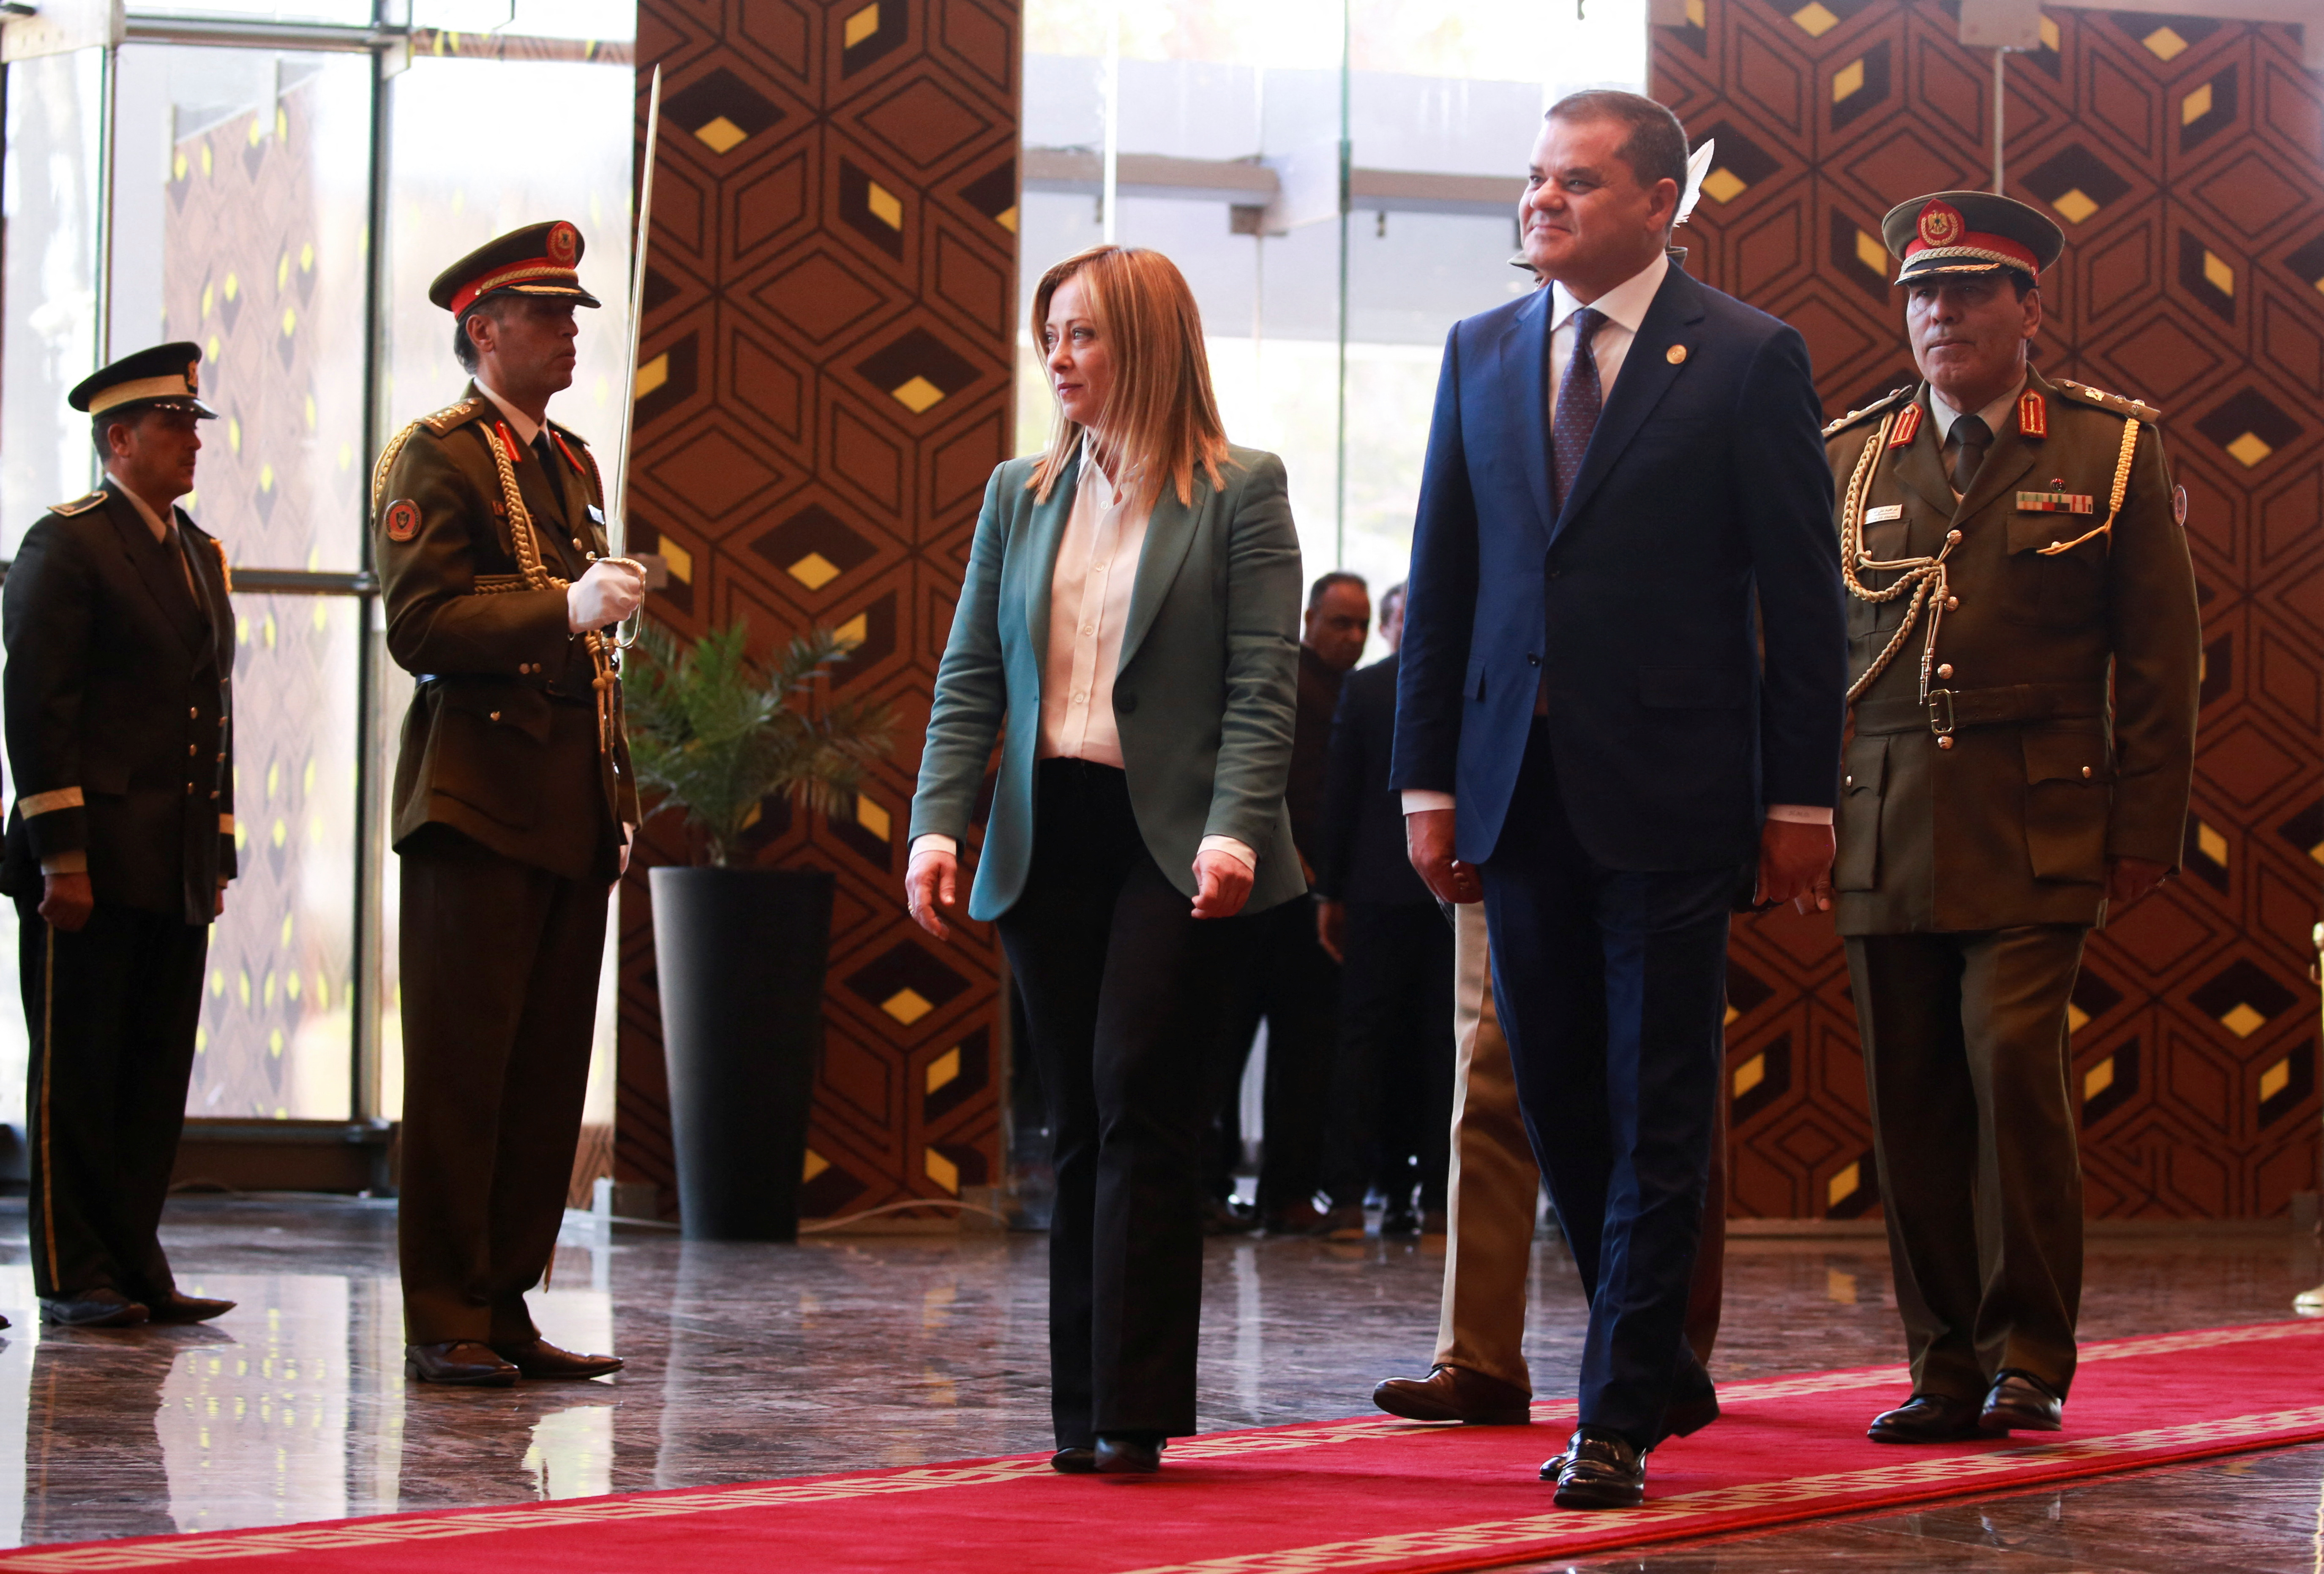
{"x": 824, "y": 389}
{"x": 2184, "y": 160}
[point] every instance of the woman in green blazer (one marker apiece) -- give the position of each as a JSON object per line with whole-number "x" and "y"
{"x": 1128, "y": 632}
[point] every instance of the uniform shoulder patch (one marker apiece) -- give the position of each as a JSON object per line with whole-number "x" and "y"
{"x": 1834, "y": 428}
{"x": 451, "y": 416}
{"x": 2083, "y": 393}
{"x": 79, "y": 505}
{"x": 402, "y": 520}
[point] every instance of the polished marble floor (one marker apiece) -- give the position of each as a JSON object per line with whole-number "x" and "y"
{"x": 845, "y": 1353}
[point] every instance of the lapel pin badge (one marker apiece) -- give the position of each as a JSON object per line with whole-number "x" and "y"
{"x": 1676, "y": 355}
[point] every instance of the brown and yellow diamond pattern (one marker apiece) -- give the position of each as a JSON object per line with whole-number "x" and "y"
{"x": 722, "y": 112}
{"x": 918, "y": 370}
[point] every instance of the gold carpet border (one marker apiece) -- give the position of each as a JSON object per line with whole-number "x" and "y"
{"x": 1541, "y": 1534}
{"x": 342, "y": 1536}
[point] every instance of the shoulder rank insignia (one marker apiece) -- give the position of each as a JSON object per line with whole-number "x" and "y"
{"x": 79, "y": 505}
{"x": 1907, "y": 426}
{"x": 2056, "y": 502}
{"x": 451, "y": 416}
{"x": 1834, "y": 428}
{"x": 2032, "y": 415}
{"x": 2111, "y": 401}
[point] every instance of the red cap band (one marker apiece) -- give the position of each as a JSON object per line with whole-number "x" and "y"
{"x": 1973, "y": 244}
{"x": 530, "y": 271}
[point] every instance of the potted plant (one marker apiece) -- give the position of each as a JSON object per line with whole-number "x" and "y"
{"x": 740, "y": 952}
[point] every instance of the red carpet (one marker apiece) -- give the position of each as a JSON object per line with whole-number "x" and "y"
{"x": 1371, "y": 1494}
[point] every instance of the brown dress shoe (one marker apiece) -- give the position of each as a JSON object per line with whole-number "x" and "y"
{"x": 1455, "y": 1394}
{"x": 539, "y": 1358}
{"x": 464, "y": 1363}
{"x": 2020, "y": 1402}
{"x": 99, "y": 1308}
{"x": 177, "y": 1308}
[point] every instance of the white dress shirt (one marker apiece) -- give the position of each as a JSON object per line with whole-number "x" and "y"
{"x": 524, "y": 426}
{"x": 1625, "y": 309}
{"x": 1089, "y": 612}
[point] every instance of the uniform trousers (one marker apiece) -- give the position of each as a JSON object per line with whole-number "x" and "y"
{"x": 112, "y": 1048}
{"x": 1392, "y": 1081}
{"x": 1277, "y": 970}
{"x": 1612, "y": 987}
{"x": 1119, "y": 981}
{"x": 1494, "y": 1181}
{"x": 1973, "y": 1118}
{"x": 500, "y": 966}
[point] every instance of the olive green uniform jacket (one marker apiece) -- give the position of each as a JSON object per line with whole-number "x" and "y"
{"x": 501, "y": 742}
{"x": 2070, "y": 677}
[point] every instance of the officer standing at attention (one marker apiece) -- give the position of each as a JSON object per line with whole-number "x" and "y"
{"x": 120, "y": 644}
{"x": 2008, "y": 541}
{"x": 513, "y": 807}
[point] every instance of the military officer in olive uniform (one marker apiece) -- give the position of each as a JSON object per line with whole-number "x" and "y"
{"x": 121, "y": 746}
{"x": 2010, "y": 542}
{"x": 513, "y": 807}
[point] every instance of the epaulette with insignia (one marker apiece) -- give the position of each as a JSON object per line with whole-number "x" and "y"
{"x": 79, "y": 505}
{"x": 2086, "y": 394}
{"x": 451, "y": 416}
{"x": 441, "y": 422}
{"x": 1875, "y": 408}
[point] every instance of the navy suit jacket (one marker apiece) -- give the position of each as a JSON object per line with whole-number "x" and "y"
{"x": 1673, "y": 718}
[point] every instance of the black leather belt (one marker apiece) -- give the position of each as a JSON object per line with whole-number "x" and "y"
{"x": 1948, "y": 710}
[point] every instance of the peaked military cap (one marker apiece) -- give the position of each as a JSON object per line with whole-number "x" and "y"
{"x": 1957, "y": 233}
{"x": 165, "y": 377}
{"x": 540, "y": 259}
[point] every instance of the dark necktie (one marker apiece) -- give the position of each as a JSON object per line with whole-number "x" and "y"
{"x": 1969, "y": 440}
{"x": 541, "y": 446}
{"x": 1579, "y": 401}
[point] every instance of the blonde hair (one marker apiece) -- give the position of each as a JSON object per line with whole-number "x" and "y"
{"x": 1161, "y": 420}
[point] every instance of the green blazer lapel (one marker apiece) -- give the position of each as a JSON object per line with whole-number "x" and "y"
{"x": 1169, "y": 534}
{"x": 1044, "y": 529}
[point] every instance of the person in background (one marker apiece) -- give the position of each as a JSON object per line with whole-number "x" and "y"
{"x": 1392, "y": 1079}
{"x": 119, "y": 690}
{"x": 1127, "y": 633}
{"x": 1280, "y": 973}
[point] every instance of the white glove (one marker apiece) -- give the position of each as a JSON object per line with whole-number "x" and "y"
{"x": 610, "y": 592}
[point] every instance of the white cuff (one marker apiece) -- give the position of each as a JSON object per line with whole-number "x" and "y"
{"x": 1802, "y": 813}
{"x": 1416, "y": 800}
{"x": 74, "y": 863}
{"x": 933, "y": 842}
{"x": 1231, "y": 848}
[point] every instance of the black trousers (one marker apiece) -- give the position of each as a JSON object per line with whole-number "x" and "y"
{"x": 1120, "y": 983}
{"x": 1391, "y": 1122}
{"x": 1611, "y": 989}
{"x": 1277, "y": 970}
{"x": 112, "y": 1011}
{"x": 500, "y": 966}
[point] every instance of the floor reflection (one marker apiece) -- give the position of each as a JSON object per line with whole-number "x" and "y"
{"x": 748, "y": 1362}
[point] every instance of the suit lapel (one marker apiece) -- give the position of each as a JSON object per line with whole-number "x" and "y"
{"x": 1525, "y": 377}
{"x": 2010, "y": 458}
{"x": 1169, "y": 532}
{"x": 157, "y": 569}
{"x": 1044, "y": 531}
{"x": 1920, "y": 464}
{"x": 1647, "y": 373}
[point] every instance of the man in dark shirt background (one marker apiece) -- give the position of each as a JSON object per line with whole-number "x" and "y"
{"x": 1391, "y": 1099}
{"x": 1283, "y": 974}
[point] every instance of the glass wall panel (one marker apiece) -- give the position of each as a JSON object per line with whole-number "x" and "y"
{"x": 48, "y": 338}
{"x": 606, "y": 20}
{"x": 277, "y": 1037}
{"x": 241, "y": 198}
{"x": 345, "y": 12}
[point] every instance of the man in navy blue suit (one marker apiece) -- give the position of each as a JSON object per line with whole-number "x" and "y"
{"x": 1618, "y": 716}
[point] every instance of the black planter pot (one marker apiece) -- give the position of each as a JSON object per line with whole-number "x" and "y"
{"x": 740, "y": 955}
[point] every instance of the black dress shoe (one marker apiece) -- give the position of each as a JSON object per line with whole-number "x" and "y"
{"x": 461, "y": 1363}
{"x": 1601, "y": 1470}
{"x": 537, "y": 1358}
{"x": 1925, "y": 1418}
{"x": 177, "y": 1308}
{"x": 1073, "y": 1461}
{"x": 2020, "y": 1402}
{"x": 1127, "y": 1454}
{"x": 1455, "y": 1394}
{"x": 99, "y": 1308}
